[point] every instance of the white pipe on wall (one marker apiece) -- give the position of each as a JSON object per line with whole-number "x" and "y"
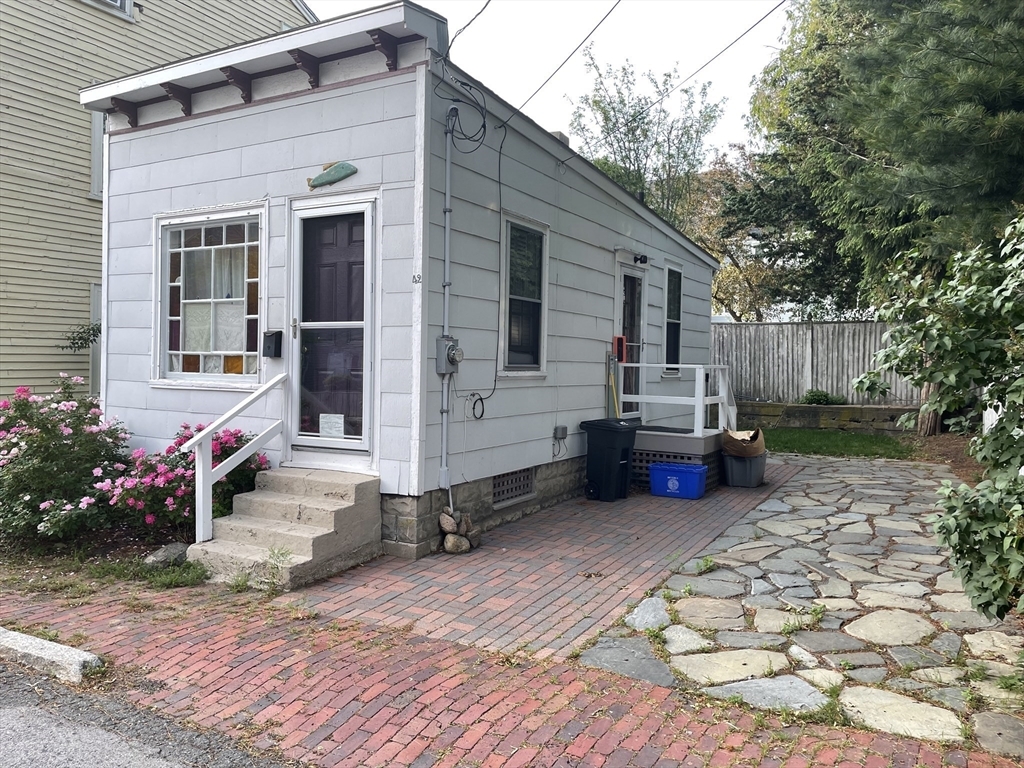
{"x": 444, "y": 479}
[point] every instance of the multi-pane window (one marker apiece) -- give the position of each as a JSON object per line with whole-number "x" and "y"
{"x": 212, "y": 316}
{"x": 525, "y": 297}
{"x": 673, "y": 314}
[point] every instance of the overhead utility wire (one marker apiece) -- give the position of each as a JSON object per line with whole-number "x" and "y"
{"x": 574, "y": 50}
{"x": 476, "y": 396}
{"x": 448, "y": 52}
{"x": 704, "y": 66}
{"x": 696, "y": 72}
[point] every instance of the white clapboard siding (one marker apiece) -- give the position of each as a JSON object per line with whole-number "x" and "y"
{"x": 49, "y": 227}
{"x": 586, "y": 224}
{"x": 230, "y": 158}
{"x": 780, "y": 362}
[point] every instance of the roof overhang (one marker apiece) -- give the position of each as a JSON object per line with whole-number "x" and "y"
{"x": 382, "y": 28}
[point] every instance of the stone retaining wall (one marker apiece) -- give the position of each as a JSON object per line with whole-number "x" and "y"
{"x": 409, "y": 526}
{"x": 871, "y": 419}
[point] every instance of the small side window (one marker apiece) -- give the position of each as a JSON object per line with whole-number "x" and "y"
{"x": 524, "y": 319}
{"x": 673, "y": 314}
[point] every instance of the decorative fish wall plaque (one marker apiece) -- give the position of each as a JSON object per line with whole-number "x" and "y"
{"x": 333, "y": 173}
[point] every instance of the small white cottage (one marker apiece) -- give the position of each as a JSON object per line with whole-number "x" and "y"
{"x": 433, "y": 312}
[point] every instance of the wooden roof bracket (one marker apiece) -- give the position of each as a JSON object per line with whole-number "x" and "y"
{"x": 386, "y": 44}
{"x": 180, "y": 94}
{"x": 309, "y": 64}
{"x": 127, "y": 108}
{"x": 241, "y": 80}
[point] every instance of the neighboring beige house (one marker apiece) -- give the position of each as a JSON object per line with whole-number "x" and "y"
{"x": 51, "y": 149}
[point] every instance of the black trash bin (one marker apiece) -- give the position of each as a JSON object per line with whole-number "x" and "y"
{"x": 609, "y": 457}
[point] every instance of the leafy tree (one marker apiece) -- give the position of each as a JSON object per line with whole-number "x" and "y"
{"x": 790, "y": 252}
{"x": 905, "y": 122}
{"x": 967, "y": 334}
{"x": 631, "y": 133}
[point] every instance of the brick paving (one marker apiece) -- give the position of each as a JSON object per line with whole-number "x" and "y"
{"x": 546, "y": 584}
{"x": 394, "y": 688}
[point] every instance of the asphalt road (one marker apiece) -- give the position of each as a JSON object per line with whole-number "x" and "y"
{"x": 44, "y": 724}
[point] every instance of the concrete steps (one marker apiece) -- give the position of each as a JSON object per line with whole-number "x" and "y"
{"x": 298, "y": 526}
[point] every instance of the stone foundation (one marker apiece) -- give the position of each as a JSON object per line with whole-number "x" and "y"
{"x": 872, "y": 419}
{"x": 409, "y": 526}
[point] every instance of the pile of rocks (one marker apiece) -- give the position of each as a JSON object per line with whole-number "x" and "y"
{"x": 460, "y": 533}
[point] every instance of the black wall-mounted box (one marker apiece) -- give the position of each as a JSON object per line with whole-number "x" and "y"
{"x": 272, "y": 343}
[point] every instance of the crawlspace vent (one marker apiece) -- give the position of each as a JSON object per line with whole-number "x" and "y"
{"x": 513, "y": 485}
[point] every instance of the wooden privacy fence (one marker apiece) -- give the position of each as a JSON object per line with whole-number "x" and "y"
{"x": 779, "y": 362}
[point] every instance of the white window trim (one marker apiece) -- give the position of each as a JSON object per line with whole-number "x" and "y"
{"x": 672, "y": 267}
{"x": 122, "y": 8}
{"x": 540, "y": 372}
{"x": 159, "y": 376}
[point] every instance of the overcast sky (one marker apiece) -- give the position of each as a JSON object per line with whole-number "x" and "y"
{"x": 515, "y": 44}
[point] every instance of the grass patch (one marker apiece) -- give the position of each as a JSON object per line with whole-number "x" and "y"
{"x": 188, "y": 574}
{"x": 834, "y": 442}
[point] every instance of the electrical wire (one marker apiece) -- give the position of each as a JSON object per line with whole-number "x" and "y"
{"x": 692, "y": 75}
{"x": 704, "y": 66}
{"x": 467, "y": 26}
{"x": 574, "y": 50}
{"x": 479, "y": 105}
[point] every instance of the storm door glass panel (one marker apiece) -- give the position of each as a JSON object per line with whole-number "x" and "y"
{"x": 632, "y": 298}
{"x": 332, "y": 328}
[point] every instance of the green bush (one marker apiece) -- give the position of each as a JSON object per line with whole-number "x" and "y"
{"x": 52, "y": 448}
{"x": 984, "y": 527}
{"x": 157, "y": 492}
{"x": 821, "y": 397}
{"x": 965, "y": 336}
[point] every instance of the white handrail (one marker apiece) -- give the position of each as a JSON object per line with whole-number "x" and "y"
{"x": 699, "y": 401}
{"x": 206, "y": 474}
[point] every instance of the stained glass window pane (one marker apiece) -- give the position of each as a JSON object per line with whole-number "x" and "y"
{"x": 235, "y": 234}
{"x": 190, "y": 363}
{"x": 193, "y": 238}
{"x": 174, "y": 335}
{"x": 254, "y": 263}
{"x": 213, "y": 235}
{"x": 175, "y": 272}
{"x": 252, "y": 295}
{"x": 232, "y": 363}
{"x": 174, "y": 307}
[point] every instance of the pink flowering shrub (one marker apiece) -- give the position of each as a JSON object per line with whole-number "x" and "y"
{"x": 51, "y": 446}
{"x": 158, "y": 492}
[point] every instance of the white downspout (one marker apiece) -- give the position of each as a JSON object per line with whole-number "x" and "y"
{"x": 444, "y": 479}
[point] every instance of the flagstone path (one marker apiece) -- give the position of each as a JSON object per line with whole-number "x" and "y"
{"x": 837, "y": 586}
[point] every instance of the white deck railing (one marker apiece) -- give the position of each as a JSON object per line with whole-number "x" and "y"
{"x": 206, "y": 474}
{"x": 700, "y": 399}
